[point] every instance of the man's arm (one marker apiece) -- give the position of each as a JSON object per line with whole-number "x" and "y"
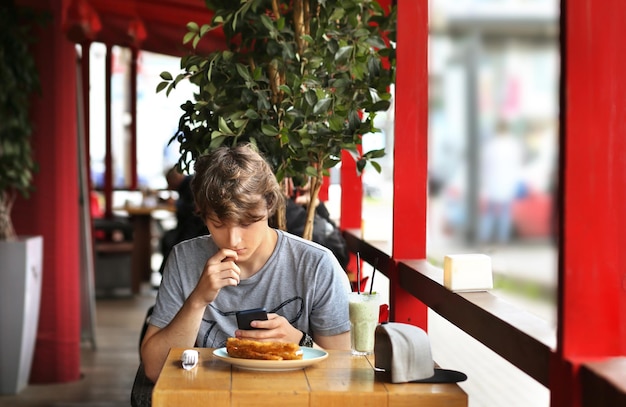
{"x": 337, "y": 342}
{"x": 219, "y": 271}
{"x": 181, "y": 332}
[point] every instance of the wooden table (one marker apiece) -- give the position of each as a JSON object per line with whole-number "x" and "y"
{"x": 340, "y": 380}
{"x": 141, "y": 259}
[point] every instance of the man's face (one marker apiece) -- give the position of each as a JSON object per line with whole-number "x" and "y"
{"x": 243, "y": 238}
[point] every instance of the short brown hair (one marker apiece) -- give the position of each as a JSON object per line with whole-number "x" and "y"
{"x": 231, "y": 184}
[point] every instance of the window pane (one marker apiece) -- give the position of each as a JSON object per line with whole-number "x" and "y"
{"x": 493, "y": 144}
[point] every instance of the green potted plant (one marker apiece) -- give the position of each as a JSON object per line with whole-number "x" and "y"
{"x": 20, "y": 79}
{"x": 21, "y": 257}
{"x": 301, "y": 79}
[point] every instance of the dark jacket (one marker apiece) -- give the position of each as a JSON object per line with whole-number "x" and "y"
{"x": 324, "y": 230}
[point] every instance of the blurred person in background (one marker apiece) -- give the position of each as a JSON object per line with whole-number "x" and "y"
{"x": 501, "y": 168}
{"x": 325, "y": 231}
{"x": 188, "y": 223}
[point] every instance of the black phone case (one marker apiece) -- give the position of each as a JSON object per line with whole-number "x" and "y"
{"x": 245, "y": 317}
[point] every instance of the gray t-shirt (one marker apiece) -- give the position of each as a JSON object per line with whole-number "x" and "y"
{"x": 301, "y": 281}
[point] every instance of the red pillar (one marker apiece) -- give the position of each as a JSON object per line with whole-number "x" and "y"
{"x": 52, "y": 210}
{"x": 351, "y": 193}
{"x": 108, "y": 134}
{"x": 595, "y": 176}
{"x": 134, "y": 179}
{"x": 592, "y": 272}
{"x": 351, "y": 202}
{"x": 411, "y": 132}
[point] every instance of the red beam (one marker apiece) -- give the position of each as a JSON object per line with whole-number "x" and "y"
{"x": 163, "y": 23}
{"x": 85, "y": 65}
{"x": 411, "y": 132}
{"x": 592, "y": 276}
{"x": 133, "y": 117}
{"x": 108, "y": 143}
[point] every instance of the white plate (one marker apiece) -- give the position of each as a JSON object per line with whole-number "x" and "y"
{"x": 310, "y": 356}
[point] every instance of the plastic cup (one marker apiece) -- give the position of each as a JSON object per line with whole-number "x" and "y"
{"x": 364, "y": 309}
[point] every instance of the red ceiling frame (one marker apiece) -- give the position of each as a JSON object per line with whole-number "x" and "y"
{"x": 152, "y": 25}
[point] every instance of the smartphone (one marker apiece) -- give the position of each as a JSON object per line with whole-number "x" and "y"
{"x": 245, "y": 317}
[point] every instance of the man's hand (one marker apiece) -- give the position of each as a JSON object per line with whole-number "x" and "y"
{"x": 276, "y": 328}
{"x": 219, "y": 271}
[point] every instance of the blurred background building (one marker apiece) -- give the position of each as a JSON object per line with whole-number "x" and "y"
{"x": 493, "y": 62}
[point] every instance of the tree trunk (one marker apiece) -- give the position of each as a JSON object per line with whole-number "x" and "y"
{"x": 314, "y": 192}
{"x": 6, "y": 225}
{"x": 281, "y": 218}
{"x": 299, "y": 23}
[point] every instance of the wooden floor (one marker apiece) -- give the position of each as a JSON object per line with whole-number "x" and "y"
{"x": 109, "y": 370}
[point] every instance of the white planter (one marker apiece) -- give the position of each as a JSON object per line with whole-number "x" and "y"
{"x": 20, "y": 295}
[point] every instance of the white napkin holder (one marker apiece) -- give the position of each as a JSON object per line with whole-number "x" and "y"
{"x": 467, "y": 272}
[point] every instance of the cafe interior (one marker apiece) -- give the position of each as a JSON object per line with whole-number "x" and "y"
{"x": 581, "y": 363}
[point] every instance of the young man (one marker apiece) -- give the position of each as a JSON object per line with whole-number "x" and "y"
{"x": 244, "y": 264}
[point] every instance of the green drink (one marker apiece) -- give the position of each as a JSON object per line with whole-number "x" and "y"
{"x": 364, "y": 309}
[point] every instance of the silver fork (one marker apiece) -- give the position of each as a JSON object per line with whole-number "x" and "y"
{"x": 190, "y": 359}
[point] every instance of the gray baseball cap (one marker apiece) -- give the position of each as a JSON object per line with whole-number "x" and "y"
{"x": 404, "y": 351}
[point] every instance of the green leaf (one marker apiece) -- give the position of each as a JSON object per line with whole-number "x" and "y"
{"x": 358, "y": 71}
{"x": 179, "y": 78}
{"x": 257, "y": 74}
{"x": 267, "y": 22}
{"x": 161, "y": 86}
{"x": 343, "y": 54}
{"x": 311, "y": 171}
{"x": 280, "y": 174}
{"x": 204, "y": 29}
{"x": 336, "y": 123}
{"x": 227, "y": 55}
{"x": 285, "y": 89}
{"x": 193, "y": 26}
{"x": 376, "y": 42}
{"x": 322, "y": 106}
{"x": 381, "y": 105}
{"x": 315, "y": 61}
{"x": 239, "y": 123}
{"x": 376, "y": 153}
{"x": 216, "y": 141}
{"x": 269, "y": 130}
{"x": 170, "y": 88}
{"x": 338, "y": 14}
{"x": 243, "y": 72}
{"x": 223, "y": 126}
{"x": 360, "y": 165}
{"x": 166, "y": 76}
{"x": 376, "y": 166}
{"x": 188, "y": 37}
{"x": 310, "y": 97}
{"x": 251, "y": 114}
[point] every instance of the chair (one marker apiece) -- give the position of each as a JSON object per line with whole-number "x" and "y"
{"x": 141, "y": 393}
{"x": 144, "y": 328}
